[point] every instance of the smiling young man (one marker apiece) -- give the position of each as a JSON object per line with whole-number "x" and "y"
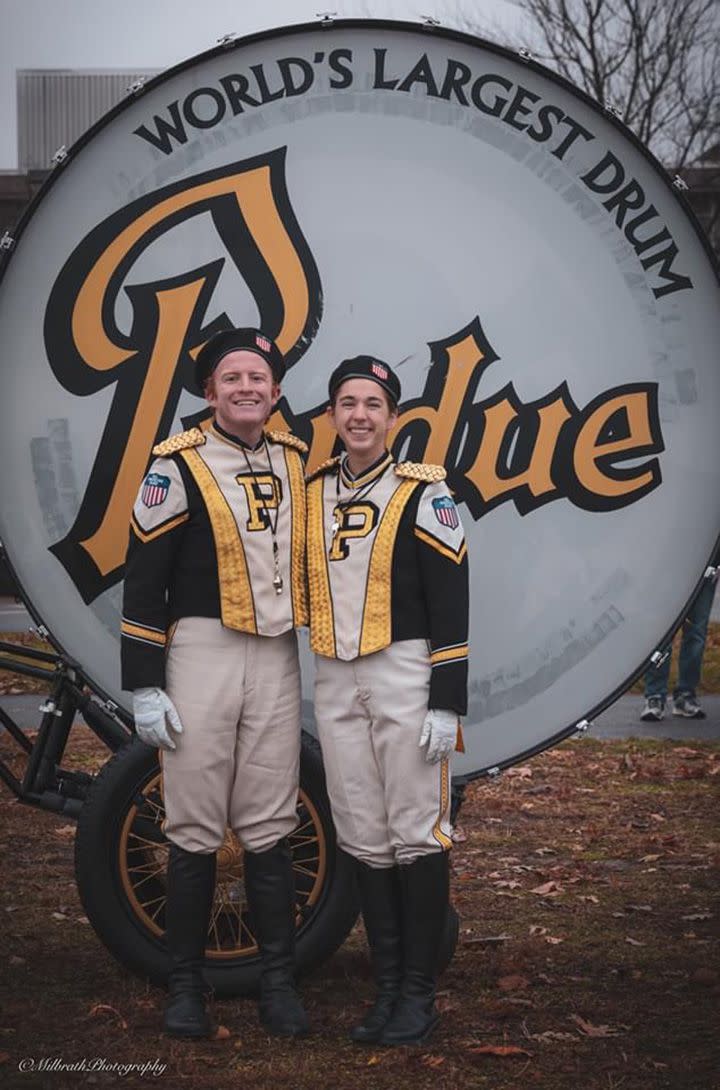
{"x": 214, "y": 589}
{"x": 388, "y": 577}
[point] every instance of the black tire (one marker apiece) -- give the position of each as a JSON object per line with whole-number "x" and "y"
{"x": 120, "y": 862}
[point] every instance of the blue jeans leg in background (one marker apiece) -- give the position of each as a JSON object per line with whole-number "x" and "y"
{"x": 692, "y": 646}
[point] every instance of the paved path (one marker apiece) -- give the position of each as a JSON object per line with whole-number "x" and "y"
{"x": 622, "y": 720}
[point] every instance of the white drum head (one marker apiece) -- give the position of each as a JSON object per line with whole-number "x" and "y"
{"x": 421, "y": 195}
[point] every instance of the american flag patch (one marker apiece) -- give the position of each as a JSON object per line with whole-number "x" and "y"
{"x": 378, "y": 370}
{"x": 446, "y": 512}
{"x": 155, "y": 489}
{"x": 263, "y": 343}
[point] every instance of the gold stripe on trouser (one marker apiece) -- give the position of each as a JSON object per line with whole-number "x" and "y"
{"x": 236, "y": 598}
{"x": 389, "y": 805}
{"x": 237, "y": 759}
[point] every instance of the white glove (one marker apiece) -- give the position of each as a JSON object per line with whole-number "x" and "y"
{"x": 150, "y": 708}
{"x": 439, "y": 731}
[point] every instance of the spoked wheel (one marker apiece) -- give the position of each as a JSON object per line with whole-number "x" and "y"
{"x": 121, "y": 860}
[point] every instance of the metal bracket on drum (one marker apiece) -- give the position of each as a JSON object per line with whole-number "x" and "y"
{"x": 680, "y": 183}
{"x": 7, "y": 242}
{"x": 228, "y": 40}
{"x": 59, "y": 157}
{"x": 137, "y": 87}
{"x": 525, "y": 54}
{"x": 429, "y": 21}
{"x": 327, "y": 18}
{"x": 658, "y": 658}
{"x": 613, "y": 110}
{"x": 583, "y": 726}
{"x": 493, "y": 773}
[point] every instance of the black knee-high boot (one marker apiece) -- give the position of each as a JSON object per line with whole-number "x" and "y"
{"x": 190, "y": 892}
{"x": 270, "y": 891}
{"x": 425, "y": 891}
{"x": 380, "y": 903}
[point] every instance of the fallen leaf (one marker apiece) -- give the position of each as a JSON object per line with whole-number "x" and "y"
{"x": 537, "y": 929}
{"x": 638, "y": 908}
{"x": 553, "y": 941}
{"x": 698, "y": 916}
{"x": 514, "y": 982}
{"x": 520, "y": 772}
{"x": 686, "y": 752}
{"x": 593, "y": 1031}
{"x": 705, "y": 977}
{"x": 549, "y": 889}
{"x": 633, "y": 942}
{"x": 222, "y": 1033}
{"x": 650, "y": 858}
{"x": 373, "y": 1060}
{"x": 59, "y": 916}
{"x": 105, "y": 1008}
{"x": 432, "y": 1061}
{"x": 589, "y": 897}
{"x": 66, "y": 831}
{"x": 552, "y": 1035}
{"x": 499, "y": 1050}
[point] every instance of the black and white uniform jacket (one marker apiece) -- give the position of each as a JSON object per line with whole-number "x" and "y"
{"x": 201, "y": 543}
{"x": 387, "y": 561}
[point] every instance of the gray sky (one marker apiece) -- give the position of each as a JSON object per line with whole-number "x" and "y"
{"x": 143, "y": 34}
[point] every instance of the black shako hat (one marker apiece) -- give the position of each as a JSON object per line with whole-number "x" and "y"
{"x": 366, "y": 367}
{"x": 234, "y": 340}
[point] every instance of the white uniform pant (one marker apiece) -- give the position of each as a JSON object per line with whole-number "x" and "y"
{"x": 237, "y": 760}
{"x": 389, "y": 805}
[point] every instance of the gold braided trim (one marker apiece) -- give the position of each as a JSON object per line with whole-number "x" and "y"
{"x": 324, "y": 467}
{"x": 298, "y": 514}
{"x": 444, "y": 841}
{"x": 441, "y": 547}
{"x": 377, "y": 613}
{"x": 420, "y": 471}
{"x": 236, "y": 600}
{"x": 183, "y": 440}
{"x": 322, "y": 619}
{"x": 287, "y": 439}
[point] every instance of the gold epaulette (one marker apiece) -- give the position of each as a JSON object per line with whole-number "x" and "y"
{"x": 288, "y": 440}
{"x": 324, "y": 467}
{"x": 420, "y": 471}
{"x": 182, "y": 441}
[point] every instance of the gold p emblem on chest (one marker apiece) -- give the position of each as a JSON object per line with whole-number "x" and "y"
{"x": 355, "y": 520}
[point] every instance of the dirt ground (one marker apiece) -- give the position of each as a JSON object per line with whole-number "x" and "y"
{"x": 586, "y": 883}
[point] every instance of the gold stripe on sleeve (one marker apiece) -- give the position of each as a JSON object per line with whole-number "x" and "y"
{"x": 444, "y": 841}
{"x": 298, "y": 508}
{"x": 322, "y": 619}
{"x": 150, "y": 535}
{"x": 236, "y": 598}
{"x": 440, "y": 547}
{"x": 377, "y": 614}
{"x": 449, "y": 653}
{"x": 139, "y": 632}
